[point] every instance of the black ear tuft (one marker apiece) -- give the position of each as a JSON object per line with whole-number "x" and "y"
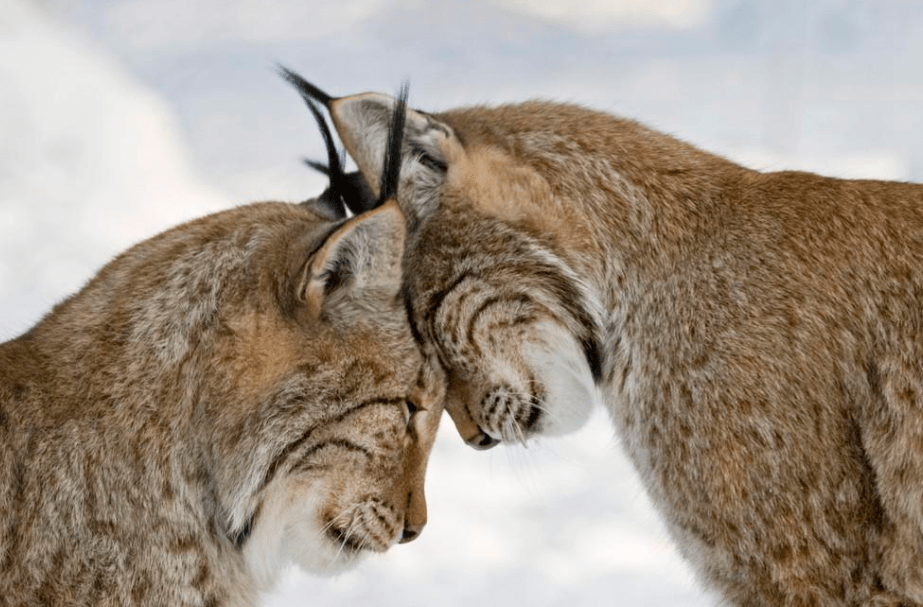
{"x": 391, "y": 171}
{"x": 334, "y": 168}
{"x": 349, "y": 189}
{"x": 331, "y": 201}
{"x": 357, "y": 194}
{"x": 307, "y": 90}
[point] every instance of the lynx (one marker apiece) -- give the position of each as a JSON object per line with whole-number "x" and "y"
{"x": 757, "y": 338}
{"x": 236, "y": 393}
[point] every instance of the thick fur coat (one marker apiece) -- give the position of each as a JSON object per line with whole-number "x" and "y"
{"x": 757, "y": 338}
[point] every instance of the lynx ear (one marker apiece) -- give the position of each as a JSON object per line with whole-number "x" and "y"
{"x": 359, "y": 262}
{"x": 364, "y": 123}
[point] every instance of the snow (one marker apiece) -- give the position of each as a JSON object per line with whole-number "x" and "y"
{"x": 119, "y": 118}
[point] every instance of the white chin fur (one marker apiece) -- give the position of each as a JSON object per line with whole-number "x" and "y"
{"x": 560, "y": 365}
{"x": 288, "y": 530}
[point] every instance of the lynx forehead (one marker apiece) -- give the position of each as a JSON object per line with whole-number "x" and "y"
{"x": 756, "y": 337}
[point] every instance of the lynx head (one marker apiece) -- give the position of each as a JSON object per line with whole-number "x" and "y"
{"x": 486, "y": 280}
{"x": 345, "y": 397}
{"x": 322, "y": 407}
{"x": 271, "y": 345}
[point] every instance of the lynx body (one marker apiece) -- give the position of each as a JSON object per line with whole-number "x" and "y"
{"x": 757, "y": 338}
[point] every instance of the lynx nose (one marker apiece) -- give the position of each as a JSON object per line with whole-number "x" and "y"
{"x": 482, "y": 441}
{"x": 411, "y": 532}
{"x": 415, "y": 518}
{"x": 468, "y": 429}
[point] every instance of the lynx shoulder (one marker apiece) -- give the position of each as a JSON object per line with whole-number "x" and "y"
{"x": 756, "y": 337}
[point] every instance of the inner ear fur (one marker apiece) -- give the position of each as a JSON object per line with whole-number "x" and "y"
{"x": 361, "y": 259}
{"x": 363, "y": 121}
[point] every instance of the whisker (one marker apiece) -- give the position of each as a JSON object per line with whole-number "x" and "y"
{"x": 521, "y": 436}
{"x": 345, "y": 537}
{"x": 511, "y": 430}
{"x": 339, "y": 518}
{"x": 360, "y": 541}
{"x": 538, "y": 402}
{"x": 327, "y": 527}
{"x": 364, "y": 542}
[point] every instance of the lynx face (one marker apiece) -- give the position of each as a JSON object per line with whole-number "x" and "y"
{"x": 516, "y": 331}
{"x": 322, "y": 402}
{"x": 237, "y": 393}
{"x": 512, "y": 331}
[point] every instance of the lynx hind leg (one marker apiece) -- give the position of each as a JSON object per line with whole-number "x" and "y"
{"x": 892, "y": 437}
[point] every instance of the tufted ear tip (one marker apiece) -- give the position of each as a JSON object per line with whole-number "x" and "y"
{"x": 307, "y": 90}
{"x": 363, "y": 122}
{"x": 391, "y": 142}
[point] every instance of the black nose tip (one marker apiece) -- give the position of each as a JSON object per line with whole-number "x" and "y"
{"x": 411, "y": 532}
{"x": 482, "y": 442}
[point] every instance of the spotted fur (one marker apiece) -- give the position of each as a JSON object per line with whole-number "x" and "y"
{"x": 757, "y": 338}
{"x": 237, "y": 393}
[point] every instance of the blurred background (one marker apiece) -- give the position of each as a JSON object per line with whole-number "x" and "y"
{"x": 119, "y": 118}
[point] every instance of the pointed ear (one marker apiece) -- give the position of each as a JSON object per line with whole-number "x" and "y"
{"x": 360, "y": 260}
{"x": 363, "y": 123}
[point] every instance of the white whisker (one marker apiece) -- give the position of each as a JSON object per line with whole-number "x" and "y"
{"x": 345, "y": 515}
{"x": 347, "y": 535}
{"x": 515, "y": 430}
{"x": 363, "y": 542}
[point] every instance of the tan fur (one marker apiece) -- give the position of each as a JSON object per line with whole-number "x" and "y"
{"x": 187, "y": 423}
{"x": 759, "y": 335}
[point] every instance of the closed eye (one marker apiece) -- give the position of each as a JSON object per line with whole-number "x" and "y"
{"x": 427, "y": 160}
{"x": 410, "y": 410}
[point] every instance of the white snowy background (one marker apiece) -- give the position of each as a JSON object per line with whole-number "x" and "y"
{"x": 119, "y": 118}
